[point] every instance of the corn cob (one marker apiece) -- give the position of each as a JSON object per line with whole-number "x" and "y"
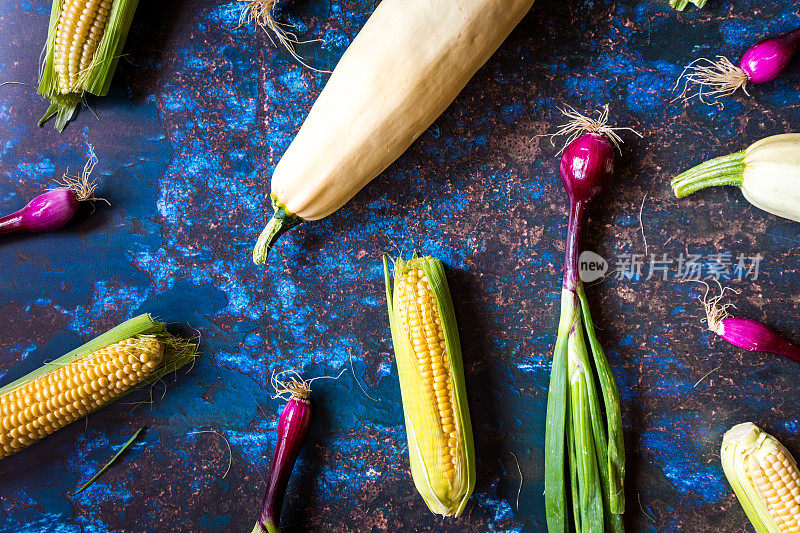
{"x": 84, "y": 40}
{"x": 765, "y": 478}
{"x": 87, "y": 379}
{"x": 80, "y": 27}
{"x": 428, "y": 354}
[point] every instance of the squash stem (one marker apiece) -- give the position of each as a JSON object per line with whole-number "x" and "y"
{"x": 281, "y": 222}
{"x": 725, "y": 170}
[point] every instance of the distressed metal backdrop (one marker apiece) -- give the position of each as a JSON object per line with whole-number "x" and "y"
{"x": 201, "y": 110}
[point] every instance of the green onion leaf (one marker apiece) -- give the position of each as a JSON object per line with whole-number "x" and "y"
{"x": 120, "y": 452}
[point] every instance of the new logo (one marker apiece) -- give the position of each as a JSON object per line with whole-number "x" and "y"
{"x": 591, "y": 266}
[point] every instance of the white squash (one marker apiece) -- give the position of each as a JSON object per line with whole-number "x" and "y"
{"x": 771, "y": 177}
{"x": 403, "y": 69}
{"x": 768, "y": 173}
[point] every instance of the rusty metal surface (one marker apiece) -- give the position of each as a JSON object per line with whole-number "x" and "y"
{"x": 201, "y": 110}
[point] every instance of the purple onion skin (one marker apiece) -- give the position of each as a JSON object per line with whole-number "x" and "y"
{"x": 49, "y": 211}
{"x": 766, "y": 60}
{"x": 293, "y": 428}
{"x": 587, "y": 167}
{"x": 756, "y": 337}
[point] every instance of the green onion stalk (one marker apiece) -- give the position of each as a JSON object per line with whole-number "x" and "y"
{"x": 584, "y": 447}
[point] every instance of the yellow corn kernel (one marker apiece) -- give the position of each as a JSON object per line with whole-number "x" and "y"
{"x": 432, "y": 385}
{"x": 420, "y": 319}
{"x": 78, "y": 33}
{"x": 69, "y": 392}
{"x": 765, "y": 478}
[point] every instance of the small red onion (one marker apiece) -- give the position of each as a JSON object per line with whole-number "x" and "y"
{"x": 766, "y": 60}
{"x": 293, "y": 427}
{"x": 762, "y": 62}
{"x": 746, "y": 333}
{"x": 754, "y": 336}
{"x": 49, "y": 211}
{"x": 52, "y": 210}
{"x": 587, "y": 166}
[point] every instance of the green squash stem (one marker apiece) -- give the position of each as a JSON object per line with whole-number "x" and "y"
{"x": 724, "y": 170}
{"x": 281, "y": 222}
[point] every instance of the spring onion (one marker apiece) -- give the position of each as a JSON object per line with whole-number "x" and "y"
{"x": 52, "y": 210}
{"x": 745, "y": 333}
{"x": 761, "y": 63}
{"x": 293, "y": 426}
{"x": 584, "y": 448}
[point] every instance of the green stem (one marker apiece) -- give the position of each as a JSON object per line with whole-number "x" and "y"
{"x": 572, "y": 459}
{"x": 62, "y": 107}
{"x": 111, "y": 462}
{"x": 268, "y": 527}
{"x": 725, "y": 170}
{"x": 281, "y": 222}
{"x": 584, "y": 363}
{"x": 614, "y": 452}
{"x": 583, "y": 400}
{"x": 555, "y": 459}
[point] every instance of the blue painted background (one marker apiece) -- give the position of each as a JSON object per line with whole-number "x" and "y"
{"x": 199, "y": 114}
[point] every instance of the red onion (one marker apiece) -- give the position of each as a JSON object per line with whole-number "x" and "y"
{"x": 582, "y": 387}
{"x": 766, "y": 60}
{"x": 587, "y": 167}
{"x": 52, "y": 210}
{"x": 293, "y": 427}
{"x": 763, "y": 62}
{"x": 746, "y": 333}
{"x": 49, "y": 211}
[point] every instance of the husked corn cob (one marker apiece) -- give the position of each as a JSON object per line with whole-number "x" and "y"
{"x": 129, "y": 356}
{"x": 70, "y": 392}
{"x": 765, "y": 478}
{"x": 420, "y": 318}
{"x": 80, "y": 28}
{"x": 84, "y": 44}
{"x": 428, "y": 357}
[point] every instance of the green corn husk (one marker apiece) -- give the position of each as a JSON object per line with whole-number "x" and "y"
{"x": 745, "y": 448}
{"x": 680, "y": 5}
{"x": 96, "y": 79}
{"x": 426, "y": 437}
{"x": 174, "y": 354}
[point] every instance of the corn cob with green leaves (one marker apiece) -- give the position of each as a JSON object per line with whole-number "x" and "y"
{"x": 132, "y": 355}
{"x": 84, "y": 42}
{"x": 765, "y": 478}
{"x": 428, "y": 353}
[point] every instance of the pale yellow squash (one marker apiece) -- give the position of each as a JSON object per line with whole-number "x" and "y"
{"x": 399, "y": 74}
{"x": 768, "y": 173}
